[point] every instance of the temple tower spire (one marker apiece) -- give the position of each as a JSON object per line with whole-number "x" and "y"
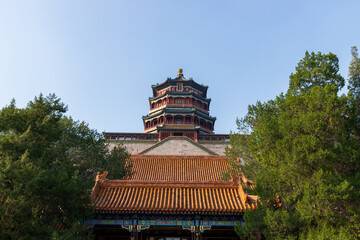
{"x": 179, "y": 107}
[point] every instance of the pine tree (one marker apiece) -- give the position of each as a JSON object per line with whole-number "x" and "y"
{"x": 316, "y": 69}
{"x": 354, "y": 91}
{"x": 354, "y": 75}
{"x": 303, "y": 154}
{"x": 48, "y": 163}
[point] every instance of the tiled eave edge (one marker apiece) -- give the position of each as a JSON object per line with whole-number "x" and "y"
{"x": 188, "y": 82}
{"x": 248, "y": 202}
{"x": 132, "y": 141}
{"x": 168, "y": 157}
{"x": 176, "y": 94}
{"x": 173, "y": 211}
{"x": 121, "y": 184}
{"x": 184, "y": 213}
{"x": 179, "y": 138}
{"x": 168, "y": 184}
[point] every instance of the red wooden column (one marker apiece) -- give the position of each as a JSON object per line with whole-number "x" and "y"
{"x": 192, "y": 119}
{"x": 196, "y": 235}
{"x": 183, "y": 119}
{"x": 134, "y": 234}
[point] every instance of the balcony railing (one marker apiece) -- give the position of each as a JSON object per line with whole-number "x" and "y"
{"x": 174, "y": 105}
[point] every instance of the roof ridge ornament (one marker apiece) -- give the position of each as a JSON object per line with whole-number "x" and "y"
{"x": 101, "y": 177}
{"x": 180, "y": 73}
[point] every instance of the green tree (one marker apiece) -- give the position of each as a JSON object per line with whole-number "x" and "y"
{"x": 316, "y": 69}
{"x": 354, "y": 90}
{"x": 354, "y": 74}
{"x": 300, "y": 150}
{"x": 48, "y": 163}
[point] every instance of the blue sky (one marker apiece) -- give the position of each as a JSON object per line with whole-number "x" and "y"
{"x": 101, "y": 57}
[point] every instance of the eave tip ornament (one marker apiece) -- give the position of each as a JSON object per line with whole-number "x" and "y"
{"x": 180, "y": 73}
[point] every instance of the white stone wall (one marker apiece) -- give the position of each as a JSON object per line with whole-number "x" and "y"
{"x": 218, "y": 148}
{"x": 172, "y": 147}
{"x": 133, "y": 147}
{"x": 177, "y": 147}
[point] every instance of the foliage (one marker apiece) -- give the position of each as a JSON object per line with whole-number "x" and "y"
{"x": 47, "y": 166}
{"x": 316, "y": 69}
{"x": 354, "y": 91}
{"x": 300, "y": 147}
{"x": 354, "y": 74}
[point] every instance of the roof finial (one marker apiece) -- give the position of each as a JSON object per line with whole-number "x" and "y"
{"x": 180, "y": 74}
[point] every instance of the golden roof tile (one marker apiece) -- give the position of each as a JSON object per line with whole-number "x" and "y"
{"x": 167, "y": 198}
{"x": 178, "y": 168}
{"x": 178, "y": 184}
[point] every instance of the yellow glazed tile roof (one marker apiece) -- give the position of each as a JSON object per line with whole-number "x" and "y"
{"x": 179, "y": 184}
{"x": 178, "y": 168}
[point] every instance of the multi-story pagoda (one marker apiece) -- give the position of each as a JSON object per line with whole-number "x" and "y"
{"x": 179, "y": 107}
{"x": 175, "y": 189}
{"x": 178, "y": 123}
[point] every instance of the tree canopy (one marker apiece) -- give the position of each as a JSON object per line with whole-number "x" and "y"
{"x": 48, "y": 163}
{"x": 316, "y": 69}
{"x": 300, "y": 149}
{"x": 354, "y": 74}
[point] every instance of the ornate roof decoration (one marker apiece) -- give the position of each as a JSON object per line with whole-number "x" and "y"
{"x": 180, "y": 77}
{"x": 180, "y": 73}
